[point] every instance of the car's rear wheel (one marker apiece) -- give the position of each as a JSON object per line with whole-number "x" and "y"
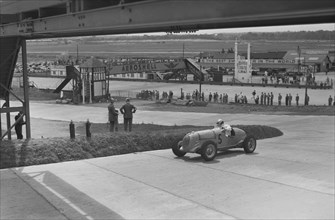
{"x": 249, "y": 144}
{"x": 176, "y": 150}
{"x": 209, "y": 150}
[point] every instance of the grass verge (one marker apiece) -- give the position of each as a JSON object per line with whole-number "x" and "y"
{"x": 145, "y": 137}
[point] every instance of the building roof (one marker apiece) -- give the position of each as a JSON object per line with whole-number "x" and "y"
{"x": 306, "y": 57}
{"x": 266, "y": 55}
{"x": 92, "y": 63}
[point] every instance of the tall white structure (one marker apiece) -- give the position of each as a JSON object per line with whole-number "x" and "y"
{"x": 242, "y": 66}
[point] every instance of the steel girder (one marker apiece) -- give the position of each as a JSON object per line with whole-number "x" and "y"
{"x": 174, "y": 16}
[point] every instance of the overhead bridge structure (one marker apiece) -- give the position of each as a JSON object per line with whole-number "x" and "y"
{"x": 21, "y": 20}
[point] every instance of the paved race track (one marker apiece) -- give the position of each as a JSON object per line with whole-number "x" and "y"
{"x": 288, "y": 177}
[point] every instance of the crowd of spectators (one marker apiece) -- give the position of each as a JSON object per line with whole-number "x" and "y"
{"x": 263, "y": 98}
{"x": 296, "y": 80}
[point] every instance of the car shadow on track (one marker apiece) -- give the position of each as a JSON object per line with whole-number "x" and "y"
{"x": 196, "y": 158}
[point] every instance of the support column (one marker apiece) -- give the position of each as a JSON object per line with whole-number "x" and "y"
{"x": 9, "y": 134}
{"x": 90, "y": 83}
{"x": 0, "y": 121}
{"x": 249, "y": 71}
{"x": 26, "y": 88}
{"x": 83, "y": 86}
{"x": 235, "y": 57}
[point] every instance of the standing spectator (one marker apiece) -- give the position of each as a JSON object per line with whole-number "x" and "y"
{"x": 289, "y": 99}
{"x": 286, "y": 100}
{"x": 193, "y": 95}
{"x": 271, "y": 98}
{"x": 241, "y": 98}
{"x": 306, "y": 99}
{"x": 254, "y": 94}
{"x": 330, "y": 100}
{"x": 262, "y": 98}
{"x": 157, "y": 95}
{"x": 215, "y": 97}
{"x": 279, "y": 99}
{"x": 170, "y": 95}
{"x": 266, "y": 99}
{"x": 127, "y": 110}
{"x": 257, "y": 99}
{"x": 297, "y": 99}
{"x": 226, "y": 98}
{"x": 112, "y": 116}
{"x": 18, "y": 125}
{"x": 210, "y": 97}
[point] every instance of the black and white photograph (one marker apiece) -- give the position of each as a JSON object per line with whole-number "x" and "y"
{"x": 167, "y": 109}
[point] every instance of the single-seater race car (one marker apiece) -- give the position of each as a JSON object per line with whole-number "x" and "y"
{"x": 208, "y": 142}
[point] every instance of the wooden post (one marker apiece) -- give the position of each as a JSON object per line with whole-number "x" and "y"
{"x": 88, "y": 127}
{"x": 72, "y": 130}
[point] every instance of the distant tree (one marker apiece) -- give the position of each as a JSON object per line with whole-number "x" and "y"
{"x": 301, "y": 35}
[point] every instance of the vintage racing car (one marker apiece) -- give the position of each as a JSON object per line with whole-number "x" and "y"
{"x": 208, "y": 142}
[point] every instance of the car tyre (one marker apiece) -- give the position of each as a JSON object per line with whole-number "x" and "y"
{"x": 249, "y": 144}
{"x": 208, "y": 150}
{"x": 176, "y": 150}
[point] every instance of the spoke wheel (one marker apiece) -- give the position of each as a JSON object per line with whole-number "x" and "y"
{"x": 209, "y": 151}
{"x": 249, "y": 144}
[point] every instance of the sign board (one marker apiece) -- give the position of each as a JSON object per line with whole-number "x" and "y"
{"x": 243, "y": 73}
{"x": 140, "y": 67}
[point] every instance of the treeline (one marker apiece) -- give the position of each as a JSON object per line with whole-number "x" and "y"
{"x": 301, "y": 35}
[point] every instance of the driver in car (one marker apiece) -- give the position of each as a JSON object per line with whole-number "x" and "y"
{"x": 226, "y": 128}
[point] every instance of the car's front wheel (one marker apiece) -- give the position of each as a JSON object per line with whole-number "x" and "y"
{"x": 176, "y": 150}
{"x": 249, "y": 144}
{"x": 209, "y": 150}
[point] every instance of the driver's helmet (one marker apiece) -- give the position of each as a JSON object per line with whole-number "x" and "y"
{"x": 219, "y": 123}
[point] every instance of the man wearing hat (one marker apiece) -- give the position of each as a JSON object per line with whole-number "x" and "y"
{"x": 112, "y": 116}
{"x": 127, "y": 110}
